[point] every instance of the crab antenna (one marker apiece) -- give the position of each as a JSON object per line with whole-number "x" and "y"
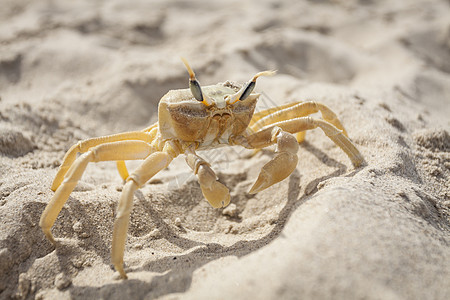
{"x": 189, "y": 69}
{"x": 247, "y": 89}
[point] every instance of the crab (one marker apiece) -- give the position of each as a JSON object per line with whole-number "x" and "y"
{"x": 191, "y": 120}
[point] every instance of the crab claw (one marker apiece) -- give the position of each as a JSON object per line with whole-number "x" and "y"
{"x": 217, "y": 194}
{"x": 280, "y": 167}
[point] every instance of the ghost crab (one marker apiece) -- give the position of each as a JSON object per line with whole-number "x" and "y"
{"x": 190, "y": 120}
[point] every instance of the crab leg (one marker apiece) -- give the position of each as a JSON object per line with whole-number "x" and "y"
{"x": 301, "y": 109}
{"x": 152, "y": 165}
{"x": 215, "y": 192}
{"x": 85, "y": 145}
{"x": 121, "y": 166}
{"x": 261, "y": 114}
{"x": 307, "y": 123}
{"x": 284, "y": 161}
{"x": 127, "y": 150}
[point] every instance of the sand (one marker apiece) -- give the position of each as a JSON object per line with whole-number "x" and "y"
{"x": 75, "y": 70}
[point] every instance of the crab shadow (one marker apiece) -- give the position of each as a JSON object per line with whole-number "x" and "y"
{"x": 72, "y": 247}
{"x": 176, "y": 272}
{"x": 339, "y": 167}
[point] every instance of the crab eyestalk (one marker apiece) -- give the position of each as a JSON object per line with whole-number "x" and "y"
{"x": 194, "y": 85}
{"x": 247, "y": 89}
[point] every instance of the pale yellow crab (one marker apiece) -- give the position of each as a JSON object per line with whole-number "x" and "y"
{"x": 190, "y": 120}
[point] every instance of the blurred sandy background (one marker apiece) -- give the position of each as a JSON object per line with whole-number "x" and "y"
{"x": 70, "y": 70}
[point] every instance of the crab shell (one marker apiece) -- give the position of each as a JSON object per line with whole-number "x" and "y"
{"x": 184, "y": 118}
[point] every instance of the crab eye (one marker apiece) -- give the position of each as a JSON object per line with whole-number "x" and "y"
{"x": 194, "y": 85}
{"x": 196, "y": 90}
{"x": 248, "y": 88}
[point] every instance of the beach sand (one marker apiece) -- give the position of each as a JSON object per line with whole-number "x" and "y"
{"x": 74, "y": 70}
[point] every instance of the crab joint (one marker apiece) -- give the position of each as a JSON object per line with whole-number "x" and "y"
{"x": 194, "y": 85}
{"x": 247, "y": 89}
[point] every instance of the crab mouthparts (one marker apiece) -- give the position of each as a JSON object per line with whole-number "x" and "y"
{"x": 222, "y": 114}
